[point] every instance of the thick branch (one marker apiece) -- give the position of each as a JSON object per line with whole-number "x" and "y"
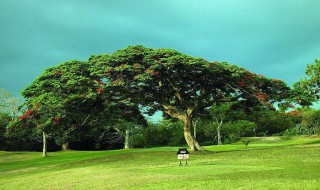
{"x": 177, "y": 91}
{"x": 172, "y": 111}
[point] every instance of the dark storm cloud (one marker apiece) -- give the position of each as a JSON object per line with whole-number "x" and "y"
{"x": 274, "y": 38}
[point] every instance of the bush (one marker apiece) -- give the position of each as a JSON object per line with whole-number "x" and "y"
{"x": 159, "y": 134}
{"x": 294, "y": 131}
{"x": 311, "y": 120}
{"x": 246, "y": 142}
{"x": 232, "y": 131}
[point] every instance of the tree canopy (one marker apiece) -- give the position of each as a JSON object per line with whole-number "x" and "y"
{"x": 180, "y": 85}
{"x": 154, "y": 79}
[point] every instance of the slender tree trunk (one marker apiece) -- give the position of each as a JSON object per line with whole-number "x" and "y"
{"x": 127, "y": 140}
{"x": 44, "y": 147}
{"x": 219, "y": 135}
{"x": 219, "y": 124}
{"x": 65, "y": 146}
{"x": 195, "y": 129}
{"x": 191, "y": 141}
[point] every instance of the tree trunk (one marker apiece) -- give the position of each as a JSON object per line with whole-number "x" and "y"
{"x": 65, "y": 146}
{"x": 44, "y": 147}
{"x": 219, "y": 124}
{"x": 191, "y": 141}
{"x": 127, "y": 140}
{"x": 186, "y": 118}
{"x": 219, "y": 135}
{"x": 195, "y": 131}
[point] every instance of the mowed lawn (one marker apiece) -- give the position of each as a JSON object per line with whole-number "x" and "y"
{"x": 269, "y": 163}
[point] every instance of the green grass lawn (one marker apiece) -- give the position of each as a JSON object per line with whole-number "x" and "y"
{"x": 269, "y": 163}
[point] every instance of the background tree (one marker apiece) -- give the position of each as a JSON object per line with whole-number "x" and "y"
{"x": 234, "y": 130}
{"x": 163, "y": 133}
{"x": 307, "y": 90}
{"x": 311, "y": 120}
{"x": 4, "y": 120}
{"x": 219, "y": 114}
{"x": 8, "y": 103}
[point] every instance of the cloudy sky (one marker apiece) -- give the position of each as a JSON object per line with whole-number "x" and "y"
{"x": 270, "y": 37}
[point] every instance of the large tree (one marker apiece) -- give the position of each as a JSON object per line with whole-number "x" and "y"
{"x": 180, "y": 85}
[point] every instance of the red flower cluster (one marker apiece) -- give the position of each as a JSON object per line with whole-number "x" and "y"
{"x": 242, "y": 84}
{"x": 100, "y": 90}
{"x": 248, "y": 77}
{"x": 262, "y": 97}
{"x": 28, "y": 113}
{"x": 152, "y": 72}
{"x": 22, "y": 117}
{"x": 57, "y": 120}
{"x": 107, "y": 101}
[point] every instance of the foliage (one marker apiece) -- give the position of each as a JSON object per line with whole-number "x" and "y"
{"x": 232, "y": 131}
{"x": 164, "y": 133}
{"x": 271, "y": 122}
{"x": 295, "y": 131}
{"x": 311, "y": 120}
{"x": 4, "y": 120}
{"x": 8, "y": 103}
{"x": 306, "y": 91}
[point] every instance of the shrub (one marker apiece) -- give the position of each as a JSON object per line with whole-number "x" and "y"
{"x": 294, "y": 131}
{"x": 232, "y": 131}
{"x": 311, "y": 120}
{"x": 246, "y": 142}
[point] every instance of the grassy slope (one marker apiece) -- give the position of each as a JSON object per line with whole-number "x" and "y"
{"x": 268, "y": 164}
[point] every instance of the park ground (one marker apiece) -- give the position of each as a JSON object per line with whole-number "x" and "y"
{"x": 268, "y": 163}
